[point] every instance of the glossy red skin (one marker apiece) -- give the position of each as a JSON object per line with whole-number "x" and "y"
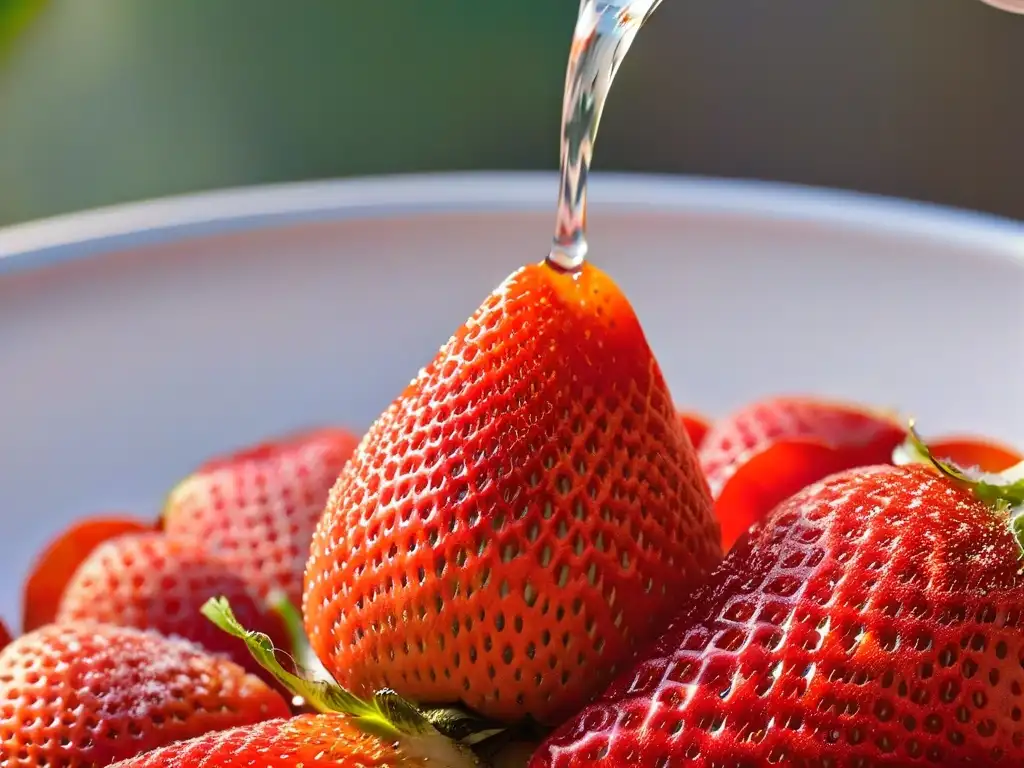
{"x": 150, "y": 581}
{"x": 877, "y": 616}
{"x": 513, "y": 526}
{"x": 770, "y": 449}
{"x": 696, "y": 426}
{"x": 88, "y": 695}
{"x": 55, "y": 566}
{"x": 258, "y": 507}
{"x": 307, "y": 741}
{"x": 965, "y": 451}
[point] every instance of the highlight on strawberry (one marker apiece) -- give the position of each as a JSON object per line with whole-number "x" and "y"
{"x": 875, "y": 618}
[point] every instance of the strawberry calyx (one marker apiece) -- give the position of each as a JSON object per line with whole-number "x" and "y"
{"x": 1003, "y": 491}
{"x": 441, "y": 734}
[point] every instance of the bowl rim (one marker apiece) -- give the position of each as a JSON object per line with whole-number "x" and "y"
{"x": 50, "y": 241}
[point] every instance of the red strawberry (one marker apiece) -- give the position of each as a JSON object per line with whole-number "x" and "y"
{"x": 150, "y": 581}
{"x": 308, "y": 741}
{"x": 986, "y": 455}
{"x": 696, "y": 426}
{"x": 258, "y": 507}
{"x": 520, "y": 518}
{"x": 90, "y": 694}
{"x": 769, "y": 450}
{"x": 385, "y": 730}
{"x": 5, "y": 636}
{"x": 876, "y": 619}
{"x": 59, "y": 561}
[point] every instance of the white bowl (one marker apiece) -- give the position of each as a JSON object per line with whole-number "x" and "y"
{"x": 136, "y": 341}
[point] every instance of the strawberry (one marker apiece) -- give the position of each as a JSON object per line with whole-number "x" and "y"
{"x": 770, "y": 449}
{"x": 307, "y": 741}
{"x": 986, "y": 455}
{"x": 5, "y": 636}
{"x": 56, "y": 565}
{"x": 516, "y": 522}
{"x": 258, "y": 507}
{"x": 150, "y": 581}
{"x": 385, "y": 730}
{"x": 90, "y": 694}
{"x": 875, "y": 619}
{"x": 696, "y": 426}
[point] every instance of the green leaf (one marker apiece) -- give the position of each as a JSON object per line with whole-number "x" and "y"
{"x": 462, "y": 725}
{"x": 452, "y": 721}
{"x": 1003, "y": 491}
{"x": 300, "y": 648}
{"x": 386, "y": 715}
{"x": 990, "y": 487}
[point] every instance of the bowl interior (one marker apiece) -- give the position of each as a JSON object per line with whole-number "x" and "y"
{"x": 121, "y": 371}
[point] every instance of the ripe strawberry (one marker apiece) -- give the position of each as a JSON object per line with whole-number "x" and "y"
{"x": 5, "y": 636}
{"x": 518, "y": 520}
{"x": 385, "y": 730}
{"x": 90, "y": 694}
{"x": 259, "y": 507}
{"x": 770, "y": 449}
{"x": 57, "y": 564}
{"x": 307, "y": 741}
{"x": 150, "y": 581}
{"x": 875, "y": 619}
{"x": 696, "y": 426}
{"x": 987, "y": 455}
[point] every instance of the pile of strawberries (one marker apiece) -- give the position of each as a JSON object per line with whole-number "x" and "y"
{"x": 532, "y": 558}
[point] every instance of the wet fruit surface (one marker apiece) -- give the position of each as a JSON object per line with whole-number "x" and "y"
{"x": 875, "y": 619}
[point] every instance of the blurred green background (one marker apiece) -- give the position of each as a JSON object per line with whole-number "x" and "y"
{"x": 103, "y": 101}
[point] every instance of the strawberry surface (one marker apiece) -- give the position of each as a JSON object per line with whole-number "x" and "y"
{"x": 696, "y": 427}
{"x": 5, "y": 636}
{"x": 307, "y": 741}
{"x": 55, "y": 566}
{"x": 521, "y": 518}
{"x": 150, "y": 581}
{"x": 875, "y": 620}
{"x": 89, "y": 694}
{"x": 770, "y": 449}
{"x": 258, "y": 508}
{"x": 967, "y": 451}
